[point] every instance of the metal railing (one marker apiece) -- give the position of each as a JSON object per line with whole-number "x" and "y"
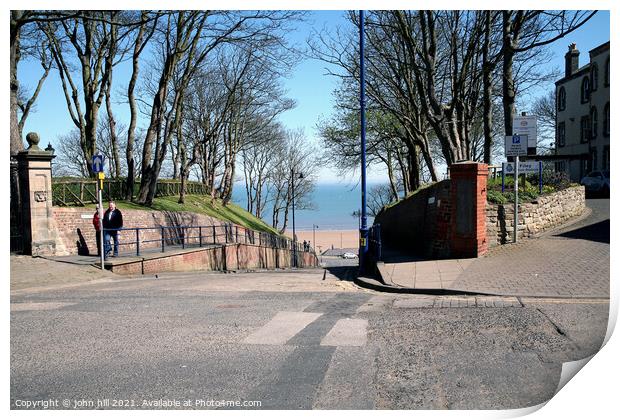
{"x": 82, "y": 192}
{"x": 159, "y": 238}
{"x": 374, "y": 242}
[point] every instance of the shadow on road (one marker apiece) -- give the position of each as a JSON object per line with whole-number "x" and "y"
{"x": 597, "y": 232}
{"x": 340, "y": 268}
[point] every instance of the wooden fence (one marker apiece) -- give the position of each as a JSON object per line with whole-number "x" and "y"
{"x": 81, "y": 192}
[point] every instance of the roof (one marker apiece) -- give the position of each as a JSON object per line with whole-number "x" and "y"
{"x": 600, "y": 49}
{"x": 586, "y": 68}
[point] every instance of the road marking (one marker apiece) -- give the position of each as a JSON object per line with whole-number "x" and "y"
{"x": 281, "y": 328}
{"x": 347, "y": 332}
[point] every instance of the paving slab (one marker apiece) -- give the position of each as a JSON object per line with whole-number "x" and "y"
{"x": 572, "y": 261}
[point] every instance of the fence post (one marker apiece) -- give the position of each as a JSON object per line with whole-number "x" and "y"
{"x": 214, "y": 241}
{"x": 163, "y": 246}
{"x": 183, "y": 237}
{"x": 200, "y": 236}
{"x": 138, "y": 241}
{"x": 237, "y": 234}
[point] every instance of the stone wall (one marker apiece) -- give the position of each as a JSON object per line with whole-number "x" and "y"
{"x": 542, "y": 214}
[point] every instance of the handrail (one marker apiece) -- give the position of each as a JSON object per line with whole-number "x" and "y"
{"x": 201, "y": 235}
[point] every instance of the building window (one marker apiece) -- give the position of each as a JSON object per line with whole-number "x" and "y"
{"x": 607, "y": 72}
{"x": 561, "y": 134}
{"x": 585, "y": 90}
{"x": 607, "y": 121}
{"x": 594, "y": 159}
{"x": 605, "y": 161}
{"x": 594, "y": 77}
{"x": 585, "y": 129}
{"x": 594, "y": 122}
{"x": 562, "y": 99}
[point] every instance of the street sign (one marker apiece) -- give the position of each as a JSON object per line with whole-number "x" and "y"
{"x": 516, "y": 145}
{"x": 98, "y": 163}
{"x": 526, "y": 125}
{"x": 530, "y": 167}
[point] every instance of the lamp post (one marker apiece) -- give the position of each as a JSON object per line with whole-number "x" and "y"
{"x": 299, "y": 176}
{"x": 363, "y": 245}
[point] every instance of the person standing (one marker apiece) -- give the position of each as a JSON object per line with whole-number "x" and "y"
{"x": 112, "y": 221}
{"x": 97, "y": 225}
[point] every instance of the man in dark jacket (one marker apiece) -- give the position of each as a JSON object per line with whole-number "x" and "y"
{"x": 112, "y": 221}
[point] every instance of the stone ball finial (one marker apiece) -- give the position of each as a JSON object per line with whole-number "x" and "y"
{"x": 33, "y": 140}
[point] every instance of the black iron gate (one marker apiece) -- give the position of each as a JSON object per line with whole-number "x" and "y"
{"x": 17, "y": 230}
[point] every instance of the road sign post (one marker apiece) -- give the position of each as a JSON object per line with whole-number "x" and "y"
{"x": 97, "y": 167}
{"x": 516, "y": 206}
{"x": 101, "y": 236}
{"x": 516, "y": 145}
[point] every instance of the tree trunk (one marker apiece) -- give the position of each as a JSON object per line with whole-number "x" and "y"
{"x": 487, "y": 90}
{"x": 508, "y": 86}
{"x": 16, "y": 141}
{"x": 113, "y": 137}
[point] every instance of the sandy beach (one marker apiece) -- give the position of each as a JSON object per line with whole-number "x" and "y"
{"x": 326, "y": 239}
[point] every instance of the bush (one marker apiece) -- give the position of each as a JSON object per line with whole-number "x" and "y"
{"x": 496, "y": 197}
{"x": 557, "y": 180}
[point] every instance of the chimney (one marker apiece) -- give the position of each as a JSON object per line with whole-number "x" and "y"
{"x": 572, "y": 60}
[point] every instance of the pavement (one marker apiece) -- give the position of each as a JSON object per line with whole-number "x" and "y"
{"x": 572, "y": 261}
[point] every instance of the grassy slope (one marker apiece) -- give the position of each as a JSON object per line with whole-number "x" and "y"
{"x": 202, "y": 205}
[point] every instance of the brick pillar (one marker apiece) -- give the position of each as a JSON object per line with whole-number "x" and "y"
{"x": 35, "y": 183}
{"x": 469, "y": 198}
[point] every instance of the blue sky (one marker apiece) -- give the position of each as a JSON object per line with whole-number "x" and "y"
{"x": 307, "y": 84}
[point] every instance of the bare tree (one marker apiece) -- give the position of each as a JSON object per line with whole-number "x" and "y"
{"x": 545, "y": 109}
{"x": 295, "y": 170}
{"x": 258, "y": 158}
{"x": 186, "y": 39}
{"x": 147, "y": 24}
{"x": 22, "y": 27}
{"x": 526, "y": 30}
{"x": 378, "y": 197}
{"x": 70, "y": 160}
{"x": 94, "y": 40}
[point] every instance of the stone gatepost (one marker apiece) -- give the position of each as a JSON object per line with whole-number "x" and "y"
{"x": 35, "y": 183}
{"x": 469, "y": 198}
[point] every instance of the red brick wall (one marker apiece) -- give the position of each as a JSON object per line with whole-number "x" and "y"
{"x": 469, "y": 204}
{"x": 230, "y": 257}
{"x": 420, "y": 223}
{"x": 78, "y": 235}
{"x": 426, "y": 223}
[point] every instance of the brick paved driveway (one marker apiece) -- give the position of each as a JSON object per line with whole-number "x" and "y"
{"x": 572, "y": 262}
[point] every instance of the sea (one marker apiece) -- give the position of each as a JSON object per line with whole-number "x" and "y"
{"x": 333, "y": 207}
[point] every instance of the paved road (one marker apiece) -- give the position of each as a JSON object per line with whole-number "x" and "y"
{"x": 290, "y": 339}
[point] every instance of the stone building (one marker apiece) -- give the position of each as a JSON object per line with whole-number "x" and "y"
{"x": 582, "y": 118}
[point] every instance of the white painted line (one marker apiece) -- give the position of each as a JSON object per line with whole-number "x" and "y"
{"x": 347, "y": 332}
{"x": 281, "y": 328}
